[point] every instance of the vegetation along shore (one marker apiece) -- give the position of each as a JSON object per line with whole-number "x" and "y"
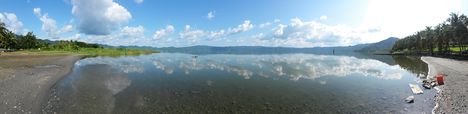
{"x": 447, "y": 39}
{"x": 29, "y": 44}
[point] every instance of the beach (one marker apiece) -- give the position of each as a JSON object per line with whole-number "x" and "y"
{"x": 25, "y": 80}
{"x": 452, "y": 97}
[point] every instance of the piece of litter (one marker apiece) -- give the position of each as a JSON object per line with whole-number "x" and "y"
{"x": 409, "y": 99}
{"x": 415, "y": 88}
{"x": 440, "y": 79}
{"x": 427, "y": 85}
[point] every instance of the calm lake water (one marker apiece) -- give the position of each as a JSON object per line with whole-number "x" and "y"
{"x": 224, "y": 83}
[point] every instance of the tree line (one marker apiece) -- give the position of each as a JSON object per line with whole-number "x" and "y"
{"x": 12, "y": 41}
{"x": 447, "y": 38}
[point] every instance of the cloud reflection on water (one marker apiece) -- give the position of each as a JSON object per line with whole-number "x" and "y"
{"x": 292, "y": 66}
{"x": 124, "y": 64}
{"x": 97, "y": 84}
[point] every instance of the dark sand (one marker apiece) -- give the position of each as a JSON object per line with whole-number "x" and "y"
{"x": 452, "y": 97}
{"x": 25, "y": 80}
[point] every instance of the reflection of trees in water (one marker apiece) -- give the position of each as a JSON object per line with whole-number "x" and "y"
{"x": 412, "y": 63}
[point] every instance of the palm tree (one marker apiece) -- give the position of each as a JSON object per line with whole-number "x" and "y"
{"x": 7, "y": 38}
{"x": 458, "y": 29}
{"x": 3, "y": 33}
{"x": 428, "y": 35}
{"x": 447, "y": 37}
{"x": 438, "y": 38}
{"x": 464, "y": 38}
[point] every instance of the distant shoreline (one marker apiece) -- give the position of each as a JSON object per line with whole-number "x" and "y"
{"x": 25, "y": 80}
{"x": 452, "y": 96}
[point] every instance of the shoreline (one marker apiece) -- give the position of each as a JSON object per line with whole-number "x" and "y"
{"x": 451, "y": 97}
{"x": 25, "y": 80}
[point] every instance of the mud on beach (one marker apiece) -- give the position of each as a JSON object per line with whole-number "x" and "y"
{"x": 26, "y": 79}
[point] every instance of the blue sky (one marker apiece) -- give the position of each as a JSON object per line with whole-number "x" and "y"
{"x": 162, "y": 23}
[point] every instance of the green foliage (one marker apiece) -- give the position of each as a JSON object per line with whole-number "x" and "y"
{"x": 31, "y": 45}
{"x": 89, "y": 52}
{"x": 441, "y": 39}
{"x": 69, "y": 46}
{"x": 7, "y": 38}
{"x": 27, "y": 42}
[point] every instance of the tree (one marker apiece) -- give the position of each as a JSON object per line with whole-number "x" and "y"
{"x": 464, "y": 38}
{"x": 428, "y": 36}
{"x": 438, "y": 38}
{"x": 452, "y": 33}
{"x": 447, "y": 37}
{"x": 458, "y": 29}
{"x": 3, "y": 38}
{"x": 7, "y": 38}
{"x": 29, "y": 41}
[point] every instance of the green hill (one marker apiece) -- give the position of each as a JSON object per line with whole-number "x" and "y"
{"x": 383, "y": 46}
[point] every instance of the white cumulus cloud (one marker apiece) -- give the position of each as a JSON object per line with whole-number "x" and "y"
{"x": 191, "y": 35}
{"x": 263, "y": 25}
{"x": 99, "y": 17}
{"x": 299, "y": 33}
{"x": 217, "y": 34}
{"x": 241, "y": 28}
{"x": 323, "y": 17}
{"x": 12, "y": 23}
{"x": 37, "y": 11}
{"x": 67, "y": 28}
{"x": 128, "y": 35}
{"x": 163, "y": 32}
{"x": 49, "y": 25}
{"x": 210, "y": 15}
{"x": 133, "y": 32}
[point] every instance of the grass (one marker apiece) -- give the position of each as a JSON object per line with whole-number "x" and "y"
{"x": 452, "y": 49}
{"x": 88, "y": 52}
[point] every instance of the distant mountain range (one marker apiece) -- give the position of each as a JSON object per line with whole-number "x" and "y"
{"x": 379, "y": 47}
{"x": 383, "y": 46}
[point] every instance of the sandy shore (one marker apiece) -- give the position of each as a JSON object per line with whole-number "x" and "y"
{"x": 26, "y": 79}
{"x": 452, "y": 97}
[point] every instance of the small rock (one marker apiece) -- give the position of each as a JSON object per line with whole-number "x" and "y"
{"x": 409, "y": 99}
{"x": 433, "y": 83}
{"x": 427, "y": 85}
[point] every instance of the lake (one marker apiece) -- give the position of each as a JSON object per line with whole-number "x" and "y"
{"x": 243, "y": 83}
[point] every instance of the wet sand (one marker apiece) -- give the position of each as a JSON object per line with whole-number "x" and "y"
{"x": 25, "y": 80}
{"x": 452, "y": 97}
